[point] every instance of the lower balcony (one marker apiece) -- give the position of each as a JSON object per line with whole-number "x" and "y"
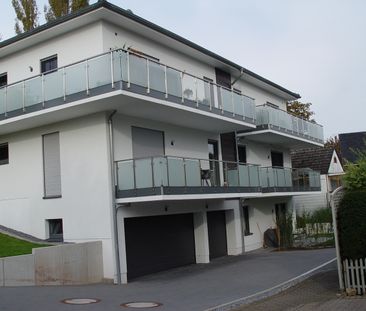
{"x": 167, "y": 175}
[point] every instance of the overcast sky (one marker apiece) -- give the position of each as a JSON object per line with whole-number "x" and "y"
{"x": 314, "y": 47}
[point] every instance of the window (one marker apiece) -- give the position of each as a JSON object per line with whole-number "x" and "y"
{"x": 3, "y": 79}
{"x": 335, "y": 160}
{"x": 4, "y": 154}
{"x": 246, "y": 220}
{"x": 277, "y": 159}
{"x": 242, "y": 153}
{"x": 51, "y": 166}
{"x": 55, "y": 230}
{"x": 49, "y": 64}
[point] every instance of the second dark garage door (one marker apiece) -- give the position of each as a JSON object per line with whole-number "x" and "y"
{"x": 216, "y": 225}
{"x": 157, "y": 243}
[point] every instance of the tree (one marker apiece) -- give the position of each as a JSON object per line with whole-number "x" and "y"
{"x": 355, "y": 177}
{"x": 57, "y": 8}
{"x": 27, "y": 15}
{"x": 333, "y": 142}
{"x": 300, "y": 109}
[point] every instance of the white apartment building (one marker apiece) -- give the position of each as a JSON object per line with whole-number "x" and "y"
{"x": 115, "y": 129}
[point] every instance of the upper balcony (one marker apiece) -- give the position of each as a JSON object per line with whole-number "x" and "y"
{"x": 131, "y": 84}
{"x": 281, "y": 128}
{"x": 186, "y": 178}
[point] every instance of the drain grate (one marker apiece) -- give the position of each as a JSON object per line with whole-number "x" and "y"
{"x": 141, "y": 304}
{"x": 80, "y": 301}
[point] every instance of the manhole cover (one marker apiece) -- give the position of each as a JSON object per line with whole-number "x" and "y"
{"x": 141, "y": 304}
{"x": 80, "y": 301}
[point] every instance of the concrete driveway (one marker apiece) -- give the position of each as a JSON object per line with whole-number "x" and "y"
{"x": 196, "y": 287}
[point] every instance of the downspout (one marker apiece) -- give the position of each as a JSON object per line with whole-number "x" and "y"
{"x": 239, "y": 77}
{"x": 114, "y": 206}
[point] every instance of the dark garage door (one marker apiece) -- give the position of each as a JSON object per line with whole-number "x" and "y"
{"x": 159, "y": 243}
{"x": 216, "y": 223}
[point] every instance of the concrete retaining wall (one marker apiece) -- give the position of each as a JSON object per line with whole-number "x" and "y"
{"x": 56, "y": 265}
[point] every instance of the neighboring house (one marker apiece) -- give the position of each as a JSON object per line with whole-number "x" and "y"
{"x": 327, "y": 162}
{"x": 115, "y": 129}
{"x": 351, "y": 142}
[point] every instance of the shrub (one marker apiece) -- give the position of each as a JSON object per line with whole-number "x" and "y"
{"x": 355, "y": 177}
{"x": 351, "y": 220}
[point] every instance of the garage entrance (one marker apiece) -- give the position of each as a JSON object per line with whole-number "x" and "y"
{"x": 216, "y": 223}
{"x": 158, "y": 243}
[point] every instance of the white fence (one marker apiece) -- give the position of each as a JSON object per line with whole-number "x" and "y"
{"x": 354, "y": 275}
{"x": 68, "y": 264}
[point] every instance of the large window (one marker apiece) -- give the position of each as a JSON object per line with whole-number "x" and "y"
{"x": 3, "y": 79}
{"x": 51, "y": 166}
{"x": 49, "y": 64}
{"x": 4, "y": 154}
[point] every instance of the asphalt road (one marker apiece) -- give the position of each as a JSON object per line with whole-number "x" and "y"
{"x": 195, "y": 287}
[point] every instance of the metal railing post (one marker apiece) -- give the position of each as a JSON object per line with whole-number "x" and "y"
{"x": 221, "y": 101}
{"x": 23, "y": 99}
{"x": 128, "y": 70}
{"x": 112, "y": 70}
{"x": 167, "y": 170}
{"x": 185, "y": 172}
{"x": 181, "y": 85}
{"x": 152, "y": 172}
{"x": 148, "y": 76}
{"x": 232, "y": 101}
{"x": 6, "y": 101}
{"x": 134, "y": 173}
{"x": 166, "y": 82}
{"x": 43, "y": 92}
{"x": 87, "y": 76}
{"x": 237, "y": 167}
{"x": 64, "y": 82}
{"x": 196, "y": 91}
{"x": 243, "y": 106}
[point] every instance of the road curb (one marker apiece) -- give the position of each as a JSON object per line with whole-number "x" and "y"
{"x": 270, "y": 291}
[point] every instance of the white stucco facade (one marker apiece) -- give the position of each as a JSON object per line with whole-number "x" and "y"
{"x": 89, "y": 141}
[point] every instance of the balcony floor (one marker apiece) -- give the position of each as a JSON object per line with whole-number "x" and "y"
{"x": 197, "y": 193}
{"x": 133, "y": 101}
{"x": 269, "y": 134}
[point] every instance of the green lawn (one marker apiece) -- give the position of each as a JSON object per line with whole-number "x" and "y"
{"x": 10, "y": 246}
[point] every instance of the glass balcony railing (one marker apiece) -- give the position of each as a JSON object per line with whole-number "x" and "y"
{"x": 124, "y": 70}
{"x": 281, "y": 120}
{"x": 167, "y": 171}
{"x": 280, "y": 178}
{"x": 174, "y": 175}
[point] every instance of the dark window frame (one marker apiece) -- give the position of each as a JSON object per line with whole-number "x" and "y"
{"x": 2, "y": 75}
{"x": 242, "y": 146}
{"x": 246, "y": 221}
{"x": 48, "y": 59}
{"x": 5, "y": 160}
{"x": 53, "y": 224}
{"x": 278, "y": 153}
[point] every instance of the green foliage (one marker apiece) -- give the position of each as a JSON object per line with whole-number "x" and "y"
{"x": 299, "y": 109}
{"x": 319, "y": 216}
{"x": 26, "y": 15}
{"x": 355, "y": 177}
{"x": 352, "y": 225}
{"x": 57, "y": 8}
{"x": 284, "y": 227}
{"x": 10, "y": 246}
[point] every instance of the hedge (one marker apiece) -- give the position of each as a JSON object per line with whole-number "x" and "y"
{"x": 351, "y": 218}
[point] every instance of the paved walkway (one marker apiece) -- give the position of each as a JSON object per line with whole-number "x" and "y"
{"x": 196, "y": 287}
{"x": 318, "y": 293}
